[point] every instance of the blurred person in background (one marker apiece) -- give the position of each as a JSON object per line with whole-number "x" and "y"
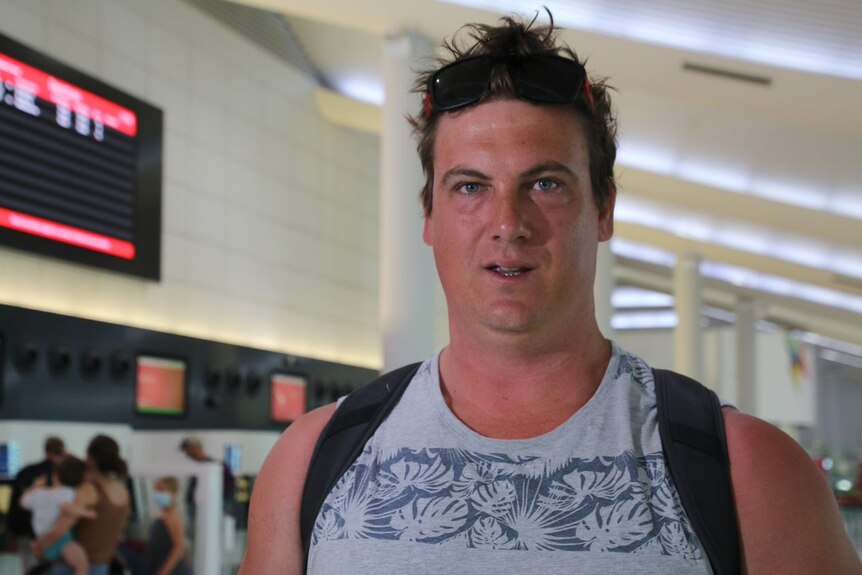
{"x": 105, "y": 493}
{"x": 166, "y": 548}
{"x": 49, "y": 504}
{"x": 193, "y": 447}
{"x": 19, "y": 522}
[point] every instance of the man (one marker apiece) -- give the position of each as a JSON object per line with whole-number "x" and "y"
{"x": 19, "y": 522}
{"x": 530, "y": 443}
{"x": 193, "y": 447}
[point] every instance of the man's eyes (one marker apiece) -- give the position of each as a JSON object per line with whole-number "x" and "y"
{"x": 546, "y": 185}
{"x": 469, "y": 187}
{"x": 540, "y": 185}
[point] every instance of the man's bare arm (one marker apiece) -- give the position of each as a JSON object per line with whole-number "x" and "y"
{"x": 789, "y": 520}
{"x": 274, "y": 540}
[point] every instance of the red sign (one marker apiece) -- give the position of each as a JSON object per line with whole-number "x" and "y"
{"x": 41, "y": 85}
{"x": 287, "y": 400}
{"x": 66, "y": 234}
{"x": 161, "y": 386}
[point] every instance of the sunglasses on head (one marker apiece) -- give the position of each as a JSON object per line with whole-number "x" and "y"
{"x": 547, "y": 78}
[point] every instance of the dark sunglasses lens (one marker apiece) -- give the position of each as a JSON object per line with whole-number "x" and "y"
{"x": 460, "y": 84}
{"x": 552, "y": 80}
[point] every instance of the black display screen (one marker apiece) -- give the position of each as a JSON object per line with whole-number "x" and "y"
{"x": 80, "y": 166}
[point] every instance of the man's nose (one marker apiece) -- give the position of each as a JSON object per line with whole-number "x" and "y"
{"x": 510, "y": 222}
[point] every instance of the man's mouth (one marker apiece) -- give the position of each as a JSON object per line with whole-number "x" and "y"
{"x": 508, "y": 272}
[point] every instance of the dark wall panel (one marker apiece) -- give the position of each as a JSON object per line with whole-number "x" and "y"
{"x": 221, "y": 390}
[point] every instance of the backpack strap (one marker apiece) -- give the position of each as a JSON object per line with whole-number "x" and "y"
{"x": 342, "y": 440}
{"x": 691, "y": 426}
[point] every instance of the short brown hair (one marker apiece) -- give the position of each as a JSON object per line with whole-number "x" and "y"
{"x": 71, "y": 471}
{"x": 517, "y": 37}
{"x": 54, "y": 446}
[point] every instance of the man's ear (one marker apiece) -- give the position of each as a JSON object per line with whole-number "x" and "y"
{"x": 606, "y": 214}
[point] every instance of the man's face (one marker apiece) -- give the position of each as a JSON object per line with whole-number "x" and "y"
{"x": 514, "y": 226}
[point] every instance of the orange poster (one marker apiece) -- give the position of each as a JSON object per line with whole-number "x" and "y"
{"x": 161, "y": 386}
{"x": 287, "y": 401}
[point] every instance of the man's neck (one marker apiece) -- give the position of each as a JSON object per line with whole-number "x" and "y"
{"x": 511, "y": 390}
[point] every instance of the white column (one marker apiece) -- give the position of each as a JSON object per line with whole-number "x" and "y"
{"x": 407, "y": 272}
{"x": 688, "y": 345}
{"x": 208, "y": 520}
{"x": 746, "y": 355}
{"x": 603, "y": 288}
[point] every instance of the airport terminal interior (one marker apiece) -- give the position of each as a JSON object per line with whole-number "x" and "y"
{"x": 209, "y": 225}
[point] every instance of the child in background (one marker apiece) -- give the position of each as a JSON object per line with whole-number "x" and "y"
{"x": 47, "y": 505}
{"x": 167, "y": 546}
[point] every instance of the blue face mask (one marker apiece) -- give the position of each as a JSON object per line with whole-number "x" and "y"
{"x": 163, "y": 499}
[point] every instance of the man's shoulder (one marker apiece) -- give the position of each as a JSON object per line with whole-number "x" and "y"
{"x": 28, "y": 473}
{"x": 788, "y": 516}
{"x": 274, "y": 543}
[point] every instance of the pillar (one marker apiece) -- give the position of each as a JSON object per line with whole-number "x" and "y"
{"x": 688, "y": 343}
{"x": 407, "y": 272}
{"x": 746, "y": 355}
{"x": 603, "y": 288}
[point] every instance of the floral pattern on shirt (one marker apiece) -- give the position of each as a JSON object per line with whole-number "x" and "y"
{"x": 623, "y": 503}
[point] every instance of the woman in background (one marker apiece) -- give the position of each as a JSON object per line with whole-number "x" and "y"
{"x": 105, "y": 493}
{"x": 166, "y": 549}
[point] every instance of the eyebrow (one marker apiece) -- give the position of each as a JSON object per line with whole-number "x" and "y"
{"x": 462, "y": 172}
{"x": 547, "y": 167}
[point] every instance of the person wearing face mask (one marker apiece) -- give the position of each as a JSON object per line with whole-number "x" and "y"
{"x": 166, "y": 551}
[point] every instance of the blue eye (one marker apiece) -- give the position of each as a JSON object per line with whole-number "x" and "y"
{"x": 545, "y": 185}
{"x": 470, "y": 188}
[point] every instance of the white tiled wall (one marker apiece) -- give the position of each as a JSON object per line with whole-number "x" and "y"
{"x": 269, "y": 213}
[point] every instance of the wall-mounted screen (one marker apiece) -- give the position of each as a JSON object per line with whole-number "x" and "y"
{"x": 80, "y": 166}
{"x": 160, "y": 385}
{"x": 287, "y": 397}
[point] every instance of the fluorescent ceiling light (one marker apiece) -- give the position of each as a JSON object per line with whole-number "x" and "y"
{"x": 643, "y": 253}
{"x": 629, "y": 297}
{"x": 644, "y": 320}
{"x": 846, "y": 203}
{"x": 365, "y": 90}
{"x": 742, "y": 277}
{"x": 696, "y": 226}
{"x": 780, "y": 286}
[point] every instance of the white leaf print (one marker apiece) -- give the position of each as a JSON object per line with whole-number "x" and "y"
{"x": 617, "y": 525}
{"x": 427, "y": 518}
{"x": 608, "y": 485}
{"x": 338, "y": 494}
{"x": 494, "y": 499}
{"x": 562, "y": 499}
{"x": 654, "y": 469}
{"x": 675, "y": 542}
{"x": 488, "y": 533}
{"x": 473, "y": 475}
{"x": 404, "y": 475}
{"x": 328, "y": 526}
{"x": 384, "y": 455}
{"x": 535, "y": 527}
{"x": 664, "y": 503}
{"x": 358, "y": 514}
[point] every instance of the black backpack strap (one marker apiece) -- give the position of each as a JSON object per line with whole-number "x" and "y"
{"x": 344, "y": 437}
{"x": 691, "y": 426}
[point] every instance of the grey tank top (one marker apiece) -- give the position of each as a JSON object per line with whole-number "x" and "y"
{"x": 430, "y": 496}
